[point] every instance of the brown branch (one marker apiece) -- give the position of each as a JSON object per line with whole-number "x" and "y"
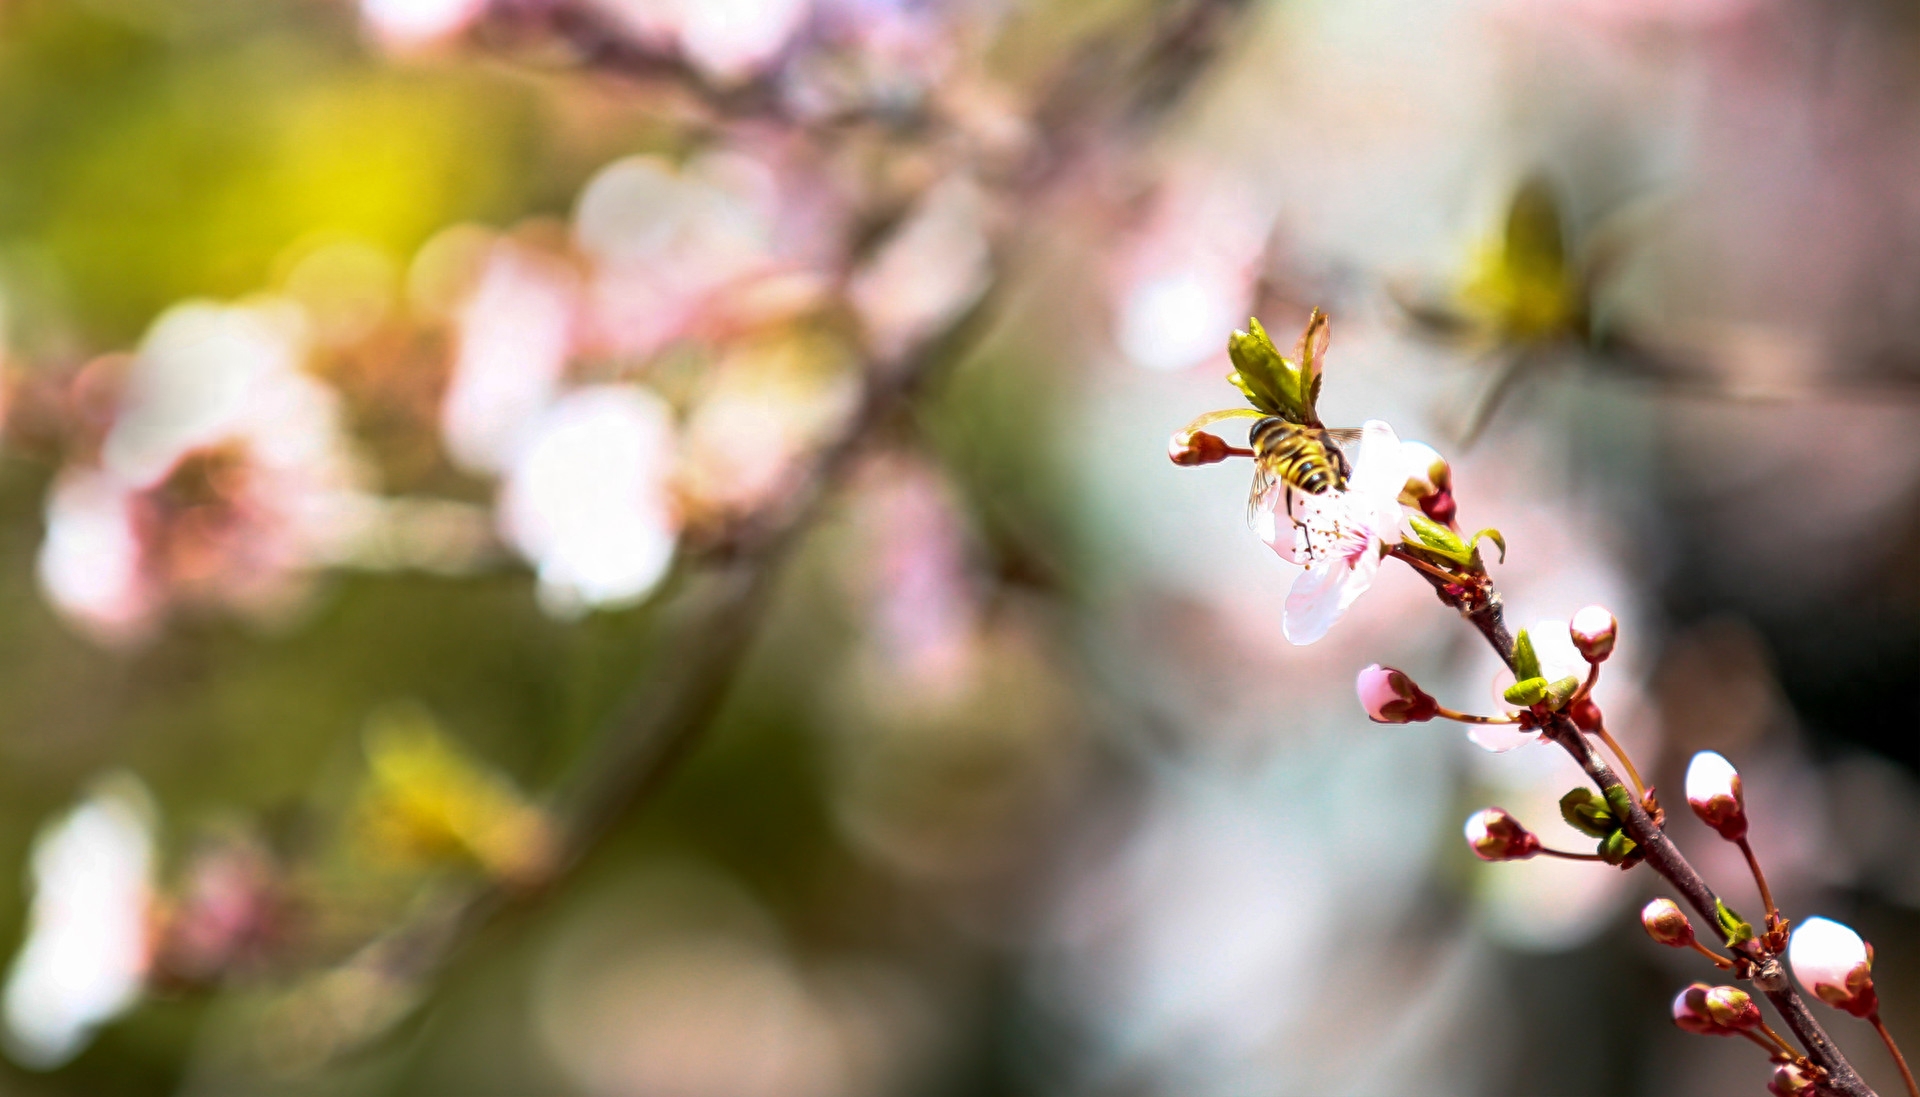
{"x": 1665, "y": 858}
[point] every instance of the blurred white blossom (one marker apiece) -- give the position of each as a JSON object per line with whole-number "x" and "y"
{"x": 87, "y": 948}
{"x": 587, "y": 500}
{"x": 409, "y": 24}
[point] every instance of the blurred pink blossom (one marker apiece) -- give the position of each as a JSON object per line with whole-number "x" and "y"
{"x": 514, "y": 337}
{"x": 681, "y": 251}
{"x": 728, "y": 40}
{"x": 933, "y": 267}
{"x": 1190, "y": 273}
{"x": 224, "y": 477}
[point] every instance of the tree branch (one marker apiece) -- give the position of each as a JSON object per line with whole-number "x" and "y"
{"x": 1665, "y": 858}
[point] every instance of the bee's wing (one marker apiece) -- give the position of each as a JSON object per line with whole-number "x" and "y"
{"x": 1264, "y": 497}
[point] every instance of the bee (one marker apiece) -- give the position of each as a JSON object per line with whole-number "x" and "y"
{"x": 1300, "y": 459}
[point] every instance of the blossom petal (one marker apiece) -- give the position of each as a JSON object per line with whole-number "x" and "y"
{"x": 1322, "y": 593}
{"x": 1500, "y": 738}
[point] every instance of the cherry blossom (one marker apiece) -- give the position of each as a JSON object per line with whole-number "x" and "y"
{"x": 1337, "y": 538}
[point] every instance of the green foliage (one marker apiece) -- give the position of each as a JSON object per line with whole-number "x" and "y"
{"x": 1526, "y": 661}
{"x": 1616, "y": 847}
{"x": 1527, "y": 692}
{"x": 1588, "y": 813}
{"x": 1437, "y": 540}
{"x": 1270, "y": 382}
{"x": 1737, "y": 930}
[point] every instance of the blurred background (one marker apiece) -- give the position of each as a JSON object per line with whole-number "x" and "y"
{"x": 625, "y": 547}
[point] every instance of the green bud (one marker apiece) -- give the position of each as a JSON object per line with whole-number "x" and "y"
{"x": 1526, "y": 661}
{"x": 1738, "y": 930}
{"x": 1587, "y": 813}
{"x": 1616, "y": 847}
{"x": 1559, "y": 693}
{"x": 1527, "y": 692}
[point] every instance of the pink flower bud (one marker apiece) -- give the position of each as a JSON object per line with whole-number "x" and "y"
{"x": 1667, "y": 923}
{"x": 1594, "y": 630}
{"x": 1789, "y": 1080}
{"x": 1732, "y": 1008}
{"x": 1497, "y": 836}
{"x": 1197, "y": 447}
{"x": 1713, "y": 789}
{"x": 1390, "y": 697}
{"x": 1429, "y": 482}
{"x": 1690, "y": 1012}
{"x": 1834, "y": 965}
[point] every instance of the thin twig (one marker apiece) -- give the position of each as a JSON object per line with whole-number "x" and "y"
{"x": 1639, "y": 786}
{"x": 1760, "y": 879}
{"x": 1894, "y": 1049}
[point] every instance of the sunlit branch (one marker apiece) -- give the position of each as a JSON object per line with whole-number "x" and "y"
{"x": 1487, "y": 615}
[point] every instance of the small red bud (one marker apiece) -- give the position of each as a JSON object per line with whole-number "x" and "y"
{"x": 1197, "y": 447}
{"x": 1585, "y": 714}
{"x": 1497, "y": 836}
{"x": 1666, "y": 923}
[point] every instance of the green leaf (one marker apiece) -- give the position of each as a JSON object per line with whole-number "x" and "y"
{"x": 1526, "y": 661}
{"x": 1268, "y": 381}
{"x": 1587, "y": 813}
{"x": 1560, "y": 692}
{"x": 1493, "y": 535}
{"x": 1737, "y": 930}
{"x": 1527, "y": 692}
{"x": 1619, "y": 801}
{"x": 1440, "y": 541}
{"x": 1616, "y": 847}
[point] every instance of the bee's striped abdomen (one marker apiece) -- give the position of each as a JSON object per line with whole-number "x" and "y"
{"x": 1297, "y": 455}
